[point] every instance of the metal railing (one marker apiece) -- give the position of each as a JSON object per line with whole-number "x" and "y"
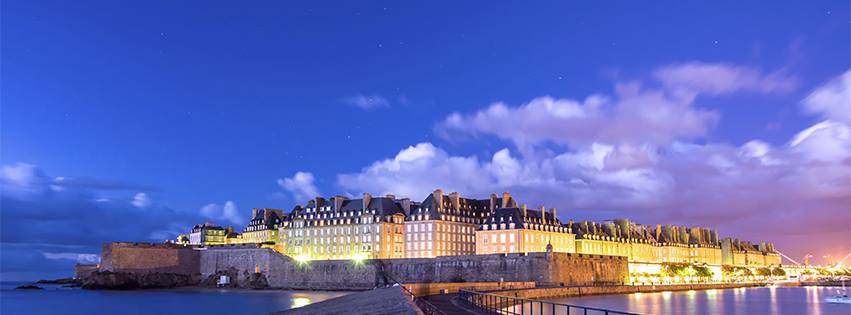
{"x": 500, "y": 304}
{"x": 425, "y": 306}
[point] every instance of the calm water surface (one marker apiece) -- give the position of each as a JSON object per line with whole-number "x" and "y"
{"x": 807, "y": 300}
{"x": 58, "y": 300}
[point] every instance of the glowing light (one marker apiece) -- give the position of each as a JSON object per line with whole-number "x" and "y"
{"x": 359, "y": 258}
{"x": 302, "y": 259}
{"x": 300, "y": 301}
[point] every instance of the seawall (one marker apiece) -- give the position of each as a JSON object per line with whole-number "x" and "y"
{"x": 555, "y": 292}
{"x": 283, "y": 272}
{"x": 147, "y": 257}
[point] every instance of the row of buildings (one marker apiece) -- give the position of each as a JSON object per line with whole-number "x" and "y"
{"x": 448, "y": 224}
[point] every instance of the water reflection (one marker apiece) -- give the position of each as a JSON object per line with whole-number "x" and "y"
{"x": 300, "y": 301}
{"x": 776, "y": 300}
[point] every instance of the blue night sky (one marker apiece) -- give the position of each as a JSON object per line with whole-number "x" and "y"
{"x": 133, "y": 121}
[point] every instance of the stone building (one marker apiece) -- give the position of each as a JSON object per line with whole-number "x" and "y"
{"x": 746, "y": 254}
{"x": 520, "y": 230}
{"x": 600, "y": 238}
{"x": 445, "y": 225}
{"x": 207, "y": 234}
{"x": 343, "y": 228}
{"x": 263, "y": 227}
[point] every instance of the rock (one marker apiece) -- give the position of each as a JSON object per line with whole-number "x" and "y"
{"x": 213, "y": 280}
{"x": 247, "y": 280}
{"x": 106, "y": 280}
{"x": 258, "y": 282}
{"x": 29, "y": 287}
{"x": 60, "y": 281}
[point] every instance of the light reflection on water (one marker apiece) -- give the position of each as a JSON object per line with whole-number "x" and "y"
{"x": 772, "y": 300}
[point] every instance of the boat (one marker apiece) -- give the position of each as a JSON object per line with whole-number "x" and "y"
{"x": 841, "y": 297}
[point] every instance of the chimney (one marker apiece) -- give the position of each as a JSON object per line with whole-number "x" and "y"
{"x": 553, "y": 211}
{"x": 493, "y": 201}
{"x": 437, "y": 196}
{"x": 406, "y": 206}
{"x": 543, "y": 214}
{"x": 338, "y": 202}
{"x": 366, "y": 199}
{"x": 455, "y": 198}
{"x": 524, "y": 211}
{"x": 505, "y": 198}
{"x": 253, "y": 213}
{"x": 391, "y": 196}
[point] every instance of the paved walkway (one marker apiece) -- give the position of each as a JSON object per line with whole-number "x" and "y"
{"x": 450, "y": 304}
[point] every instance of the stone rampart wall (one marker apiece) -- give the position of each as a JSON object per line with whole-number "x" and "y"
{"x": 146, "y": 257}
{"x": 424, "y": 289}
{"x": 544, "y": 293}
{"x": 541, "y": 268}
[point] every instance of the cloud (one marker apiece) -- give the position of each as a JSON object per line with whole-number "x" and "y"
{"x": 36, "y": 219}
{"x": 228, "y": 212}
{"x": 77, "y": 257}
{"x": 301, "y": 186}
{"x": 23, "y": 180}
{"x": 832, "y": 100}
{"x": 366, "y": 102}
{"x": 617, "y": 165}
{"x": 722, "y": 78}
{"x": 659, "y": 116}
{"x": 141, "y": 200}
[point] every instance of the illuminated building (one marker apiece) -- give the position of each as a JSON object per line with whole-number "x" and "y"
{"x": 600, "y": 239}
{"x": 343, "y": 228}
{"x": 520, "y": 230}
{"x": 747, "y": 254}
{"x": 263, "y": 227}
{"x": 207, "y": 234}
{"x": 445, "y": 225}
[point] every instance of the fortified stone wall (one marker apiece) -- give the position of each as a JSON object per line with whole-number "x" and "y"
{"x": 541, "y": 268}
{"x": 147, "y": 257}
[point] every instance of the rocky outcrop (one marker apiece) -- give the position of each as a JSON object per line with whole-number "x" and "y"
{"x": 106, "y": 280}
{"x": 243, "y": 280}
{"x": 70, "y": 281}
{"x": 29, "y": 287}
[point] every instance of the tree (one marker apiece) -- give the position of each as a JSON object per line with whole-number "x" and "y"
{"x": 777, "y": 271}
{"x": 765, "y": 272}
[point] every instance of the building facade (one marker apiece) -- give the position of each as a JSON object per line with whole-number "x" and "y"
{"x": 263, "y": 227}
{"x": 520, "y": 230}
{"x": 445, "y": 225}
{"x": 207, "y": 234}
{"x": 343, "y": 228}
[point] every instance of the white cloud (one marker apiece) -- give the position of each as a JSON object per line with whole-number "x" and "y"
{"x": 660, "y": 117}
{"x": 832, "y": 100}
{"x": 78, "y": 257}
{"x": 722, "y": 78}
{"x": 301, "y": 186}
{"x": 141, "y": 200}
{"x": 228, "y": 212}
{"x": 22, "y": 180}
{"x": 367, "y": 102}
{"x": 618, "y": 160}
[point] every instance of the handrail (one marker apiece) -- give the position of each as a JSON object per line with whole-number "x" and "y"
{"x": 425, "y": 306}
{"x": 501, "y": 304}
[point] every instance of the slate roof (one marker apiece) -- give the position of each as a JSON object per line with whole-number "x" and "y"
{"x": 515, "y": 215}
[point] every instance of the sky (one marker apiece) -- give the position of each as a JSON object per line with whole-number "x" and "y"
{"x": 133, "y": 121}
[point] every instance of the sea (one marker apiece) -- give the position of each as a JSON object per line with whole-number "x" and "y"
{"x": 56, "y": 299}
{"x": 762, "y": 300}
